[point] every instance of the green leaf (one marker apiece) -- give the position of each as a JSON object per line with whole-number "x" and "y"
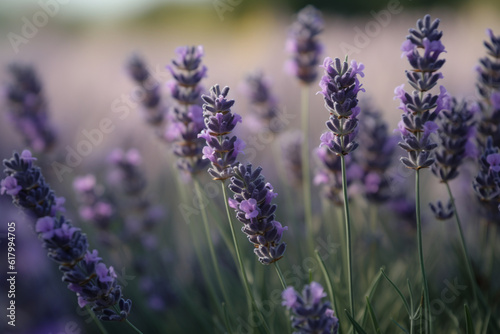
{"x": 398, "y": 291}
{"x": 359, "y": 329}
{"x": 376, "y": 326}
{"x": 370, "y": 292}
{"x": 400, "y": 327}
{"x": 469, "y": 327}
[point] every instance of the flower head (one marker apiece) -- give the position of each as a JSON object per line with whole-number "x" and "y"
{"x": 309, "y": 314}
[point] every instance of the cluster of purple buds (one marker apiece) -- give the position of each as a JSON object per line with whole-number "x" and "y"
{"x": 487, "y": 182}
{"x": 303, "y": 45}
{"x": 421, "y": 108}
{"x": 93, "y": 206}
{"x": 340, "y": 87}
{"x": 291, "y": 146}
{"x": 330, "y": 175}
{"x": 375, "y": 157}
{"x": 150, "y": 97}
{"x": 441, "y": 212}
{"x": 252, "y": 203}
{"x": 28, "y": 108}
{"x": 188, "y": 123}
{"x": 309, "y": 314}
{"x": 258, "y": 91}
{"x": 456, "y": 127}
{"x": 221, "y": 149}
{"x": 86, "y": 275}
{"x": 488, "y": 87}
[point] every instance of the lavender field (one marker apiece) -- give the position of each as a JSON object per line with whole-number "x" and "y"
{"x": 236, "y": 167}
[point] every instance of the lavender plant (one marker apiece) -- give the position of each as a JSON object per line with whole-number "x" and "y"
{"x": 422, "y": 49}
{"x": 94, "y": 283}
{"x": 291, "y": 146}
{"x": 309, "y": 313}
{"x": 220, "y": 149}
{"x": 252, "y": 203}
{"x": 488, "y": 87}
{"x": 186, "y": 90}
{"x": 258, "y": 90}
{"x": 303, "y": 45}
{"x": 154, "y": 111}
{"x": 486, "y": 184}
{"x": 27, "y": 108}
{"x": 375, "y": 157}
{"x": 340, "y": 87}
{"x": 305, "y": 48}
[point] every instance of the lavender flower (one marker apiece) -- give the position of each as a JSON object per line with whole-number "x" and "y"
{"x": 375, "y": 156}
{"x": 455, "y": 130}
{"x": 488, "y": 86}
{"x": 487, "y": 182}
{"x": 127, "y": 172}
{"x": 258, "y": 91}
{"x": 27, "y": 108}
{"x": 151, "y": 98}
{"x": 252, "y": 203}
{"x": 421, "y": 108}
{"x": 440, "y": 212}
{"x": 93, "y": 282}
{"x": 303, "y": 45}
{"x": 340, "y": 87}
{"x": 186, "y": 90}
{"x": 309, "y": 314}
{"x": 221, "y": 150}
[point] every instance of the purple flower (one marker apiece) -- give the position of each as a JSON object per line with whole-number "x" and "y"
{"x": 45, "y": 226}
{"x": 152, "y": 108}
{"x": 252, "y": 203}
{"x": 221, "y": 149}
{"x": 84, "y": 183}
{"x": 494, "y": 161}
{"x": 421, "y": 107}
{"x": 9, "y": 186}
{"x": 28, "y": 109}
{"x": 303, "y": 45}
{"x": 188, "y": 123}
{"x": 66, "y": 244}
{"x": 340, "y": 87}
{"x": 309, "y": 314}
{"x": 249, "y": 207}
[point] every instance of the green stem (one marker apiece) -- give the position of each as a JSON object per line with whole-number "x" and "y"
{"x": 211, "y": 248}
{"x": 306, "y": 182}
{"x": 280, "y": 275}
{"x": 428, "y": 323}
{"x": 97, "y": 321}
{"x": 464, "y": 245}
{"x": 250, "y": 299}
{"x": 132, "y": 325}
{"x": 348, "y": 237}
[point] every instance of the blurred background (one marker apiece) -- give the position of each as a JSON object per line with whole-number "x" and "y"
{"x": 80, "y": 49}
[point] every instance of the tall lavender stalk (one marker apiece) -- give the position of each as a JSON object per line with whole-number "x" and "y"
{"x": 27, "y": 108}
{"x": 222, "y": 151}
{"x": 151, "y": 102}
{"x": 340, "y": 87}
{"x": 186, "y": 90}
{"x": 455, "y": 130}
{"x": 305, "y": 50}
{"x": 94, "y": 283}
{"x": 422, "y": 49}
{"x": 488, "y": 87}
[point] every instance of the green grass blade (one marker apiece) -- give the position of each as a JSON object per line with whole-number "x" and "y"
{"x": 376, "y": 326}
{"x": 405, "y": 302}
{"x": 355, "y": 323}
{"x": 469, "y": 327}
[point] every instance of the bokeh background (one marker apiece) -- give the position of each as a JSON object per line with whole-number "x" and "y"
{"x": 80, "y": 56}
